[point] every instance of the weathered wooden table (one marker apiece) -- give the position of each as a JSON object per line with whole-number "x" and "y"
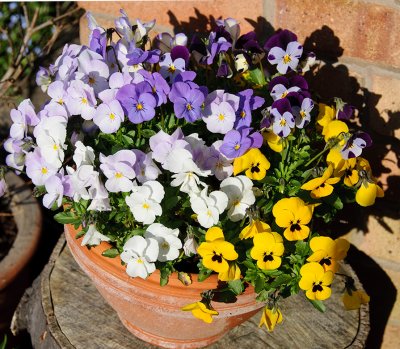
{"x": 64, "y": 310}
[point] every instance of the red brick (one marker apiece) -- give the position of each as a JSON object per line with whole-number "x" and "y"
{"x": 194, "y": 14}
{"x": 362, "y": 29}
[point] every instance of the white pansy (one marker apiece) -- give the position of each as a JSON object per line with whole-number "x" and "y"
{"x": 145, "y": 200}
{"x": 169, "y": 243}
{"x": 99, "y": 195}
{"x": 83, "y": 155}
{"x": 80, "y": 180}
{"x": 190, "y": 245}
{"x": 93, "y": 237}
{"x": 140, "y": 254}
{"x": 240, "y": 195}
{"x": 208, "y": 208}
{"x": 187, "y": 181}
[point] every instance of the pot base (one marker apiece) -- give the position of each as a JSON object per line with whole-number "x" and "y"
{"x": 169, "y": 343}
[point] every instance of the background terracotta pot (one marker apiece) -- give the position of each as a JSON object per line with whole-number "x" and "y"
{"x": 153, "y": 313}
{"x": 14, "y": 268}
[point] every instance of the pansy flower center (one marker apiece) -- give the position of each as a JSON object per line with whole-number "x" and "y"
{"x": 84, "y": 100}
{"x": 216, "y": 257}
{"x": 268, "y": 257}
{"x": 44, "y": 170}
{"x": 282, "y": 122}
{"x": 112, "y": 116}
{"x": 302, "y": 114}
{"x": 326, "y": 261}
{"x": 284, "y": 94}
{"x": 243, "y": 114}
{"x": 92, "y": 80}
{"x": 146, "y": 206}
{"x": 55, "y": 147}
{"x": 139, "y": 106}
{"x": 118, "y": 175}
{"x": 60, "y": 101}
{"x": 189, "y": 107}
{"x": 317, "y": 287}
{"x": 287, "y": 59}
{"x": 221, "y": 117}
{"x": 237, "y": 147}
{"x": 255, "y": 167}
{"x": 171, "y": 68}
{"x": 295, "y": 226}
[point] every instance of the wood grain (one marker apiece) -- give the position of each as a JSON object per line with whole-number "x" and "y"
{"x": 77, "y": 317}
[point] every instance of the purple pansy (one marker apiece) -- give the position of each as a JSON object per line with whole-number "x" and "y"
{"x": 236, "y": 143}
{"x": 287, "y": 57}
{"x": 282, "y": 117}
{"x": 56, "y": 187}
{"x": 159, "y": 86}
{"x": 281, "y": 86}
{"x": 81, "y": 100}
{"x": 355, "y": 144}
{"x": 247, "y": 103}
{"x": 109, "y": 116}
{"x": 162, "y": 144}
{"x": 170, "y": 68}
{"x": 37, "y": 168}
{"x": 137, "y": 56}
{"x": 145, "y": 168}
{"x": 98, "y": 42}
{"x": 137, "y": 102}
{"x": 302, "y": 113}
{"x": 345, "y": 113}
{"x": 189, "y": 104}
{"x": 280, "y": 39}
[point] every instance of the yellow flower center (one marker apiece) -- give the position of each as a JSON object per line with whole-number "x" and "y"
{"x": 140, "y": 261}
{"x": 237, "y": 147}
{"x": 243, "y": 114}
{"x": 112, "y": 116}
{"x": 255, "y": 167}
{"x": 302, "y": 114}
{"x": 171, "y": 68}
{"x": 118, "y": 175}
{"x": 84, "y": 100}
{"x": 92, "y": 80}
{"x": 165, "y": 245}
{"x": 282, "y": 122}
{"x": 236, "y": 202}
{"x": 217, "y": 257}
{"x": 60, "y": 101}
{"x": 44, "y": 170}
{"x": 284, "y": 94}
{"x": 146, "y": 206}
{"x": 55, "y": 147}
{"x": 209, "y": 214}
{"x": 286, "y": 59}
{"x": 189, "y": 107}
{"x": 139, "y": 106}
{"x": 221, "y": 117}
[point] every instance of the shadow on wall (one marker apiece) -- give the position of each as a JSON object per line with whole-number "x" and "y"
{"x": 327, "y": 47}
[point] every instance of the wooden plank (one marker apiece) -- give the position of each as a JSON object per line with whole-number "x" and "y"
{"x": 78, "y": 317}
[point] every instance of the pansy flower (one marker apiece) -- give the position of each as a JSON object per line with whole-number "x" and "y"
{"x": 334, "y": 130}
{"x": 273, "y": 140}
{"x": 270, "y": 318}
{"x": 137, "y": 101}
{"x": 316, "y": 281}
{"x": 170, "y": 68}
{"x": 268, "y": 249}
{"x": 253, "y": 162}
{"x": 328, "y": 252}
{"x": 201, "y": 311}
{"x": 81, "y": 100}
{"x": 233, "y": 273}
{"x": 368, "y": 192}
{"x": 253, "y": 228}
{"x": 355, "y": 144}
{"x": 287, "y": 57}
{"x": 216, "y": 252}
{"x": 293, "y": 215}
{"x": 352, "y": 300}
{"x": 237, "y": 142}
{"x": 321, "y": 186}
{"x": 93, "y": 237}
{"x": 302, "y": 112}
{"x": 217, "y": 162}
{"x": 240, "y": 196}
{"x": 247, "y": 103}
{"x": 189, "y": 104}
{"x": 343, "y": 168}
{"x": 326, "y": 114}
{"x": 109, "y": 116}
{"x": 159, "y": 87}
{"x": 282, "y": 87}
{"x": 282, "y": 118}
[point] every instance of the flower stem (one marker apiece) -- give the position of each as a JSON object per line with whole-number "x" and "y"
{"x": 317, "y": 156}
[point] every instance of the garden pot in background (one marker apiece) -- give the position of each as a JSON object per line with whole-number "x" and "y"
{"x": 153, "y": 313}
{"x": 14, "y": 268}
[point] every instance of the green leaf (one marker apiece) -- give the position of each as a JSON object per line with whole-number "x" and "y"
{"x": 281, "y": 280}
{"x": 127, "y": 140}
{"x": 256, "y": 76}
{"x": 262, "y": 296}
{"x": 259, "y": 283}
{"x": 147, "y": 133}
{"x": 4, "y": 342}
{"x": 67, "y": 218}
{"x": 236, "y": 286}
{"x": 110, "y": 253}
{"x": 319, "y": 305}
{"x": 302, "y": 248}
{"x": 226, "y": 296}
{"x": 204, "y": 272}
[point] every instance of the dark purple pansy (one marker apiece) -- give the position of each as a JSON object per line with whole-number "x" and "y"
{"x": 224, "y": 70}
{"x": 180, "y": 52}
{"x": 356, "y": 143}
{"x": 280, "y": 39}
{"x": 282, "y": 117}
{"x": 345, "y": 113}
{"x": 249, "y": 46}
{"x": 237, "y": 142}
{"x": 137, "y": 101}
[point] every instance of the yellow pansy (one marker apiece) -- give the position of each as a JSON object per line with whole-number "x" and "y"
{"x": 216, "y": 252}
{"x": 293, "y": 214}
{"x": 233, "y": 273}
{"x": 270, "y": 317}
{"x": 343, "y": 168}
{"x": 326, "y": 114}
{"x": 255, "y": 227}
{"x": 352, "y": 300}
{"x": 268, "y": 249}
{"x": 334, "y": 129}
{"x": 253, "y": 162}
{"x": 368, "y": 192}
{"x": 321, "y": 186}
{"x": 273, "y": 140}
{"x": 316, "y": 281}
{"x": 201, "y": 311}
{"x": 328, "y": 252}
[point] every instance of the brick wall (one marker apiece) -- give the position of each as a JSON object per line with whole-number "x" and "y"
{"x": 359, "y": 45}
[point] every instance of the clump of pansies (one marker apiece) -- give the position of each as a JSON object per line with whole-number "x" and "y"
{"x": 208, "y": 152}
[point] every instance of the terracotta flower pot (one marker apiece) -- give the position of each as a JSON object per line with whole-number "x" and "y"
{"x": 153, "y": 313}
{"x": 14, "y": 272}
